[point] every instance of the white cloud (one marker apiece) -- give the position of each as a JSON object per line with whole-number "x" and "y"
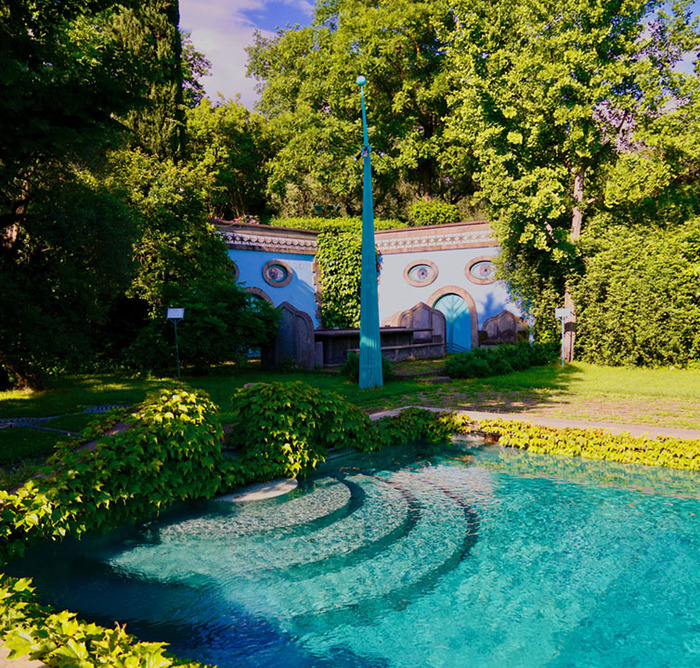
{"x": 222, "y": 29}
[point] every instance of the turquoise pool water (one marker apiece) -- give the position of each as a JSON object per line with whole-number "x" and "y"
{"x": 467, "y": 557}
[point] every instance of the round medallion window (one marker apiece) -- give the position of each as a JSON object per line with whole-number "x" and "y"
{"x": 420, "y": 273}
{"x": 277, "y": 273}
{"x": 481, "y": 270}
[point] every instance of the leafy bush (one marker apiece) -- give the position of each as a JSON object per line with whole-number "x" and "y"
{"x": 221, "y": 323}
{"x": 171, "y": 452}
{"x": 639, "y": 301}
{"x": 483, "y": 362}
{"x": 287, "y": 429}
{"x": 351, "y": 368}
{"x": 433, "y": 212}
{"x": 410, "y": 425}
{"x": 595, "y": 444}
{"x": 59, "y": 639}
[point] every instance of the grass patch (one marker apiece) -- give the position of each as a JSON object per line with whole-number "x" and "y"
{"x": 75, "y": 422}
{"x": 18, "y": 444}
{"x": 74, "y": 393}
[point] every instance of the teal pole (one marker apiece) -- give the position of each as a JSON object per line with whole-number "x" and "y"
{"x": 370, "y": 345}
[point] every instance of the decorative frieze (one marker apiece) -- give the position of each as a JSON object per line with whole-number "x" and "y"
{"x": 242, "y": 236}
{"x": 446, "y": 237}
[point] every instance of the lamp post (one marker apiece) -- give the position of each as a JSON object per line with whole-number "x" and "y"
{"x": 175, "y": 315}
{"x": 370, "y": 343}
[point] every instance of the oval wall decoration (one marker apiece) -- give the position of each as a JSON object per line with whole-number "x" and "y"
{"x": 481, "y": 271}
{"x": 420, "y": 273}
{"x": 277, "y": 273}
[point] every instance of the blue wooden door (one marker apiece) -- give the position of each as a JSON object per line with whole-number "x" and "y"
{"x": 458, "y": 336}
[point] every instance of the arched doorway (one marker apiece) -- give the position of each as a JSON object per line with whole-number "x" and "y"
{"x": 459, "y": 309}
{"x": 458, "y": 335}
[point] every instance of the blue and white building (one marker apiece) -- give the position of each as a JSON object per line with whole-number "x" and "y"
{"x": 448, "y": 267}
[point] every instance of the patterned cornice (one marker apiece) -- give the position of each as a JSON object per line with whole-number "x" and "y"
{"x": 439, "y": 237}
{"x": 243, "y": 236}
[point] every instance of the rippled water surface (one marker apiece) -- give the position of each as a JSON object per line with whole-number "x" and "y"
{"x": 472, "y": 557}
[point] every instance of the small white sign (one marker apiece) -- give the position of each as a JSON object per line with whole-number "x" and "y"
{"x": 562, "y": 313}
{"x": 176, "y": 313}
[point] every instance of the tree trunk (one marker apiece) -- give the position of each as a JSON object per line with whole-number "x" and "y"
{"x": 576, "y": 219}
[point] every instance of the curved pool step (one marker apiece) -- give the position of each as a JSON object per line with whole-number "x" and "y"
{"x": 380, "y": 516}
{"x": 180, "y": 552}
{"x": 326, "y": 500}
{"x": 443, "y": 531}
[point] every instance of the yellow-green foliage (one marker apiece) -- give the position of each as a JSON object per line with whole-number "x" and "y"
{"x": 171, "y": 451}
{"x": 595, "y": 444}
{"x": 59, "y": 639}
{"x": 288, "y": 428}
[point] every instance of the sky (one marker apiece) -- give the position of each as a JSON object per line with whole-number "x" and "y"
{"x": 221, "y": 29}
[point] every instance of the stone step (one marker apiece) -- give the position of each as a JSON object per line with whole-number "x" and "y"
{"x": 380, "y": 513}
{"x": 438, "y": 537}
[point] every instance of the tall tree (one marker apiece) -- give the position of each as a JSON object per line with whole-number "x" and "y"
{"x": 233, "y": 145}
{"x": 66, "y": 76}
{"x": 307, "y": 80}
{"x": 152, "y": 31}
{"x": 551, "y": 92}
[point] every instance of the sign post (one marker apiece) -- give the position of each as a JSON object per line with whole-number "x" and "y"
{"x": 562, "y": 314}
{"x": 175, "y": 315}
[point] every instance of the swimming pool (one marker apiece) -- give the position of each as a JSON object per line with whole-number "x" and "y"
{"x": 470, "y": 556}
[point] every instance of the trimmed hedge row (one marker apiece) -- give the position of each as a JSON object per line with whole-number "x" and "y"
{"x": 499, "y": 361}
{"x": 345, "y": 224}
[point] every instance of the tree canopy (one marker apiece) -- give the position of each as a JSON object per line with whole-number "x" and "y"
{"x": 307, "y": 83}
{"x": 554, "y": 96}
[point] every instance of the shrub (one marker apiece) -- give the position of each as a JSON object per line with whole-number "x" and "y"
{"x": 483, "y": 362}
{"x": 221, "y": 323}
{"x": 287, "y": 429}
{"x": 59, "y": 639}
{"x": 433, "y": 212}
{"x": 351, "y": 368}
{"x": 639, "y": 301}
{"x": 410, "y": 425}
{"x": 171, "y": 452}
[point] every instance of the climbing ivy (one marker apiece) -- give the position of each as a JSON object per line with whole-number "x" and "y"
{"x": 339, "y": 260}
